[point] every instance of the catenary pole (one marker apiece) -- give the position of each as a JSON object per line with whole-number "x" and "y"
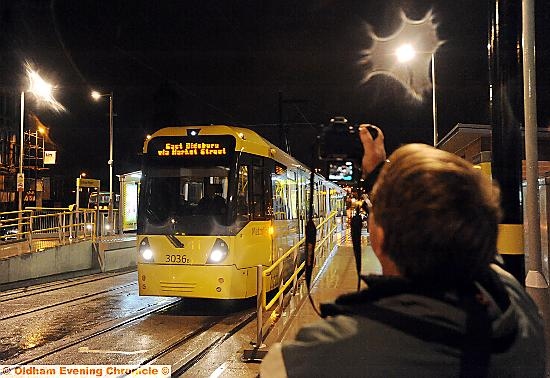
{"x": 534, "y": 276}
{"x": 434, "y": 101}
{"x": 506, "y": 109}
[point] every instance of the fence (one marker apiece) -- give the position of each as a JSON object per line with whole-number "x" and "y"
{"x": 59, "y": 226}
{"x": 326, "y": 241}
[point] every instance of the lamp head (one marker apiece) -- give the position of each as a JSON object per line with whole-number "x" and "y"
{"x": 96, "y": 95}
{"x": 405, "y": 53}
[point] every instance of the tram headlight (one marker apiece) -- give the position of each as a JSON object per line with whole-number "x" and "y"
{"x": 145, "y": 250}
{"x": 218, "y": 253}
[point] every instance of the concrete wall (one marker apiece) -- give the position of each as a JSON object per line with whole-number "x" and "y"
{"x": 117, "y": 255}
{"x": 81, "y": 256}
{"x": 52, "y": 261}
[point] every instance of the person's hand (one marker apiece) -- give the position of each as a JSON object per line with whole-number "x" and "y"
{"x": 374, "y": 151}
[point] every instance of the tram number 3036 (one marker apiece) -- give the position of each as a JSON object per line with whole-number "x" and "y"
{"x": 177, "y": 259}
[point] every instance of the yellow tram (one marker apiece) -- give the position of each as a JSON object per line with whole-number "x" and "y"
{"x": 215, "y": 202}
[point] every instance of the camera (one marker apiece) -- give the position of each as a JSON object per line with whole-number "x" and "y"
{"x": 339, "y": 140}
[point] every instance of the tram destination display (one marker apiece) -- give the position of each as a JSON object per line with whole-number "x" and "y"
{"x": 191, "y": 148}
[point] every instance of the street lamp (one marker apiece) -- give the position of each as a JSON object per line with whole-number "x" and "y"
{"x": 405, "y": 53}
{"x": 42, "y": 91}
{"x": 96, "y": 96}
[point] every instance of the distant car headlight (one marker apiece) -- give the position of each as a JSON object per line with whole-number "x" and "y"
{"x": 145, "y": 250}
{"x": 218, "y": 253}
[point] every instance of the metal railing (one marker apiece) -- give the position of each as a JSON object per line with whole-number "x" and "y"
{"x": 38, "y": 226}
{"x": 326, "y": 242}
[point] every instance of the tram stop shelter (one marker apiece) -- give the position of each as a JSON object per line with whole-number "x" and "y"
{"x": 129, "y": 195}
{"x": 473, "y": 143}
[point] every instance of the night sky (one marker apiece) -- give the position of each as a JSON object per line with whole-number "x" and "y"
{"x": 225, "y": 62}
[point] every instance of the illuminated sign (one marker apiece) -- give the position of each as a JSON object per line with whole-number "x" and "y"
{"x": 192, "y": 149}
{"x": 87, "y": 183}
{"x": 340, "y": 171}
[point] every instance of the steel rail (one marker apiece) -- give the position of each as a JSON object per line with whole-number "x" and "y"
{"x": 67, "y": 301}
{"x": 95, "y": 334}
{"x": 56, "y": 285}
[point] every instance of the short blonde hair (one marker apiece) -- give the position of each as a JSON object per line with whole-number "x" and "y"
{"x": 439, "y": 214}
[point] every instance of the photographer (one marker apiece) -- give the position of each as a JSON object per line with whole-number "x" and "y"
{"x": 441, "y": 308}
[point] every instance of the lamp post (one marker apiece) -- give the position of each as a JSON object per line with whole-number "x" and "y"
{"x": 96, "y": 96}
{"x": 20, "y": 176}
{"x": 434, "y": 100}
{"x": 405, "y": 53}
{"x": 42, "y": 91}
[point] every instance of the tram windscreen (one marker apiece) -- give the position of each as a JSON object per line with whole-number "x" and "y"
{"x": 182, "y": 193}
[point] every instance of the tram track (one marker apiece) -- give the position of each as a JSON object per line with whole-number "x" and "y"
{"x": 75, "y": 299}
{"x": 181, "y": 354}
{"x": 53, "y": 286}
{"x": 94, "y": 334}
{"x": 179, "y": 370}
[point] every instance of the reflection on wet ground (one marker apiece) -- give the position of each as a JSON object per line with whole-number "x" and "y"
{"x": 34, "y": 330}
{"x": 40, "y": 328}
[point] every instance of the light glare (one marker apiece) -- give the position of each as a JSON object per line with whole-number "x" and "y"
{"x": 147, "y": 254}
{"x": 405, "y": 53}
{"x": 217, "y": 255}
{"x": 42, "y": 89}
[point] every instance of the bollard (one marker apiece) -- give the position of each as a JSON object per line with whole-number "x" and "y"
{"x": 256, "y": 355}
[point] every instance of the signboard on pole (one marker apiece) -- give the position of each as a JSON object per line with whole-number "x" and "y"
{"x": 87, "y": 183}
{"x": 49, "y": 157}
{"x": 20, "y": 182}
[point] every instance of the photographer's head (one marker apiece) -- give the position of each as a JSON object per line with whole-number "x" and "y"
{"x": 435, "y": 217}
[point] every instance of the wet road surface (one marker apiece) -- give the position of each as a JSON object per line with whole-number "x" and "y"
{"x": 102, "y": 320}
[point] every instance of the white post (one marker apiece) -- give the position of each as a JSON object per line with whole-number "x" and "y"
{"x": 77, "y": 193}
{"x": 434, "y": 102}
{"x": 21, "y": 192}
{"x": 110, "y": 211}
{"x": 534, "y": 276}
{"x": 259, "y": 307}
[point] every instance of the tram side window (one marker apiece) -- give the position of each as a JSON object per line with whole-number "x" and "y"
{"x": 316, "y": 202}
{"x": 243, "y": 210}
{"x": 322, "y": 200}
{"x": 292, "y": 190}
{"x": 280, "y": 196}
{"x": 303, "y": 198}
{"x": 257, "y": 204}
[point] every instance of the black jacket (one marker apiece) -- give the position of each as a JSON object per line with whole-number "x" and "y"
{"x": 426, "y": 337}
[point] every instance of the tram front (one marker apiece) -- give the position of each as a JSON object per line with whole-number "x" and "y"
{"x": 186, "y": 216}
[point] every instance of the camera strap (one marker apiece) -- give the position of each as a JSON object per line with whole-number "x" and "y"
{"x": 475, "y": 342}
